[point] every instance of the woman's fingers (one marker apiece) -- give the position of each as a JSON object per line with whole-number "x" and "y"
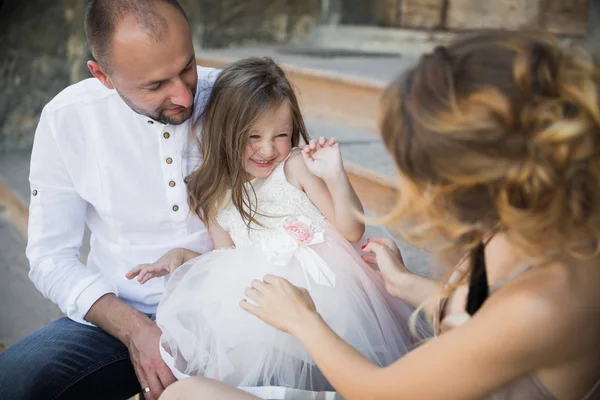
{"x": 252, "y": 294}
{"x": 273, "y": 279}
{"x": 369, "y": 259}
{"x": 387, "y": 243}
{"x": 373, "y": 247}
{"x": 384, "y": 241}
{"x": 258, "y": 285}
{"x": 251, "y": 308}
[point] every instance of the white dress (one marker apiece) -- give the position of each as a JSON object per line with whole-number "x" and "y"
{"x": 206, "y": 333}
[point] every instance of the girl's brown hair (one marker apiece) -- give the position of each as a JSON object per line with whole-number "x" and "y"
{"x": 241, "y": 94}
{"x": 500, "y": 131}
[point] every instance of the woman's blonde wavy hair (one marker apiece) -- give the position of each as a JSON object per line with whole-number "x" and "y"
{"x": 241, "y": 94}
{"x": 498, "y": 132}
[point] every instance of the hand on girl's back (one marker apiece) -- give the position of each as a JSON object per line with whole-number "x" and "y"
{"x": 161, "y": 267}
{"x": 323, "y": 158}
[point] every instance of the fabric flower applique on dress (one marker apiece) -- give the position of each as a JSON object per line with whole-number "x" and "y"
{"x": 296, "y": 235}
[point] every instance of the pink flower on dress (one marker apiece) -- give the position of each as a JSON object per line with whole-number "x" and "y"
{"x": 300, "y": 231}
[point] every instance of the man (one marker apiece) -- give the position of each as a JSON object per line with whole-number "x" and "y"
{"x": 111, "y": 151}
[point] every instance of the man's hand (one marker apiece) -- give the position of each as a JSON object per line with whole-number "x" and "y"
{"x": 141, "y": 335}
{"x": 151, "y": 370}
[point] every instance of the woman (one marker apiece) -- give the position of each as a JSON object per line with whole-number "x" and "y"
{"x": 497, "y": 143}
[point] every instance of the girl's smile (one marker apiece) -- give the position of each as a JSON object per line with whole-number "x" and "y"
{"x": 270, "y": 141}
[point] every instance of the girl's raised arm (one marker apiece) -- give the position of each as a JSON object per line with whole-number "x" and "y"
{"x": 319, "y": 172}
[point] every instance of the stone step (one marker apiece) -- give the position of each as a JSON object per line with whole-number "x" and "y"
{"x": 373, "y": 39}
{"x": 338, "y": 87}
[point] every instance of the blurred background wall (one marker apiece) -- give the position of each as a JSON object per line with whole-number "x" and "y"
{"x": 43, "y": 49}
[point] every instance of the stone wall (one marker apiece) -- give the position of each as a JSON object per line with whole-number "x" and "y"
{"x": 42, "y": 50}
{"x": 565, "y": 17}
{"x": 220, "y": 23}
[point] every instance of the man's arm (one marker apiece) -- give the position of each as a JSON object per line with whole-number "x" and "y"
{"x": 56, "y": 224}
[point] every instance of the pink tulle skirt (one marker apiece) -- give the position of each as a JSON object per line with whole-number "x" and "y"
{"x": 206, "y": 333}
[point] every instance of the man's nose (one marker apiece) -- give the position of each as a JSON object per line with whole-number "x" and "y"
{"x": 182, "y": 95}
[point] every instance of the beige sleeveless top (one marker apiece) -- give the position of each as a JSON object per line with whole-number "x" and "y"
{"x": 528, "y": 387}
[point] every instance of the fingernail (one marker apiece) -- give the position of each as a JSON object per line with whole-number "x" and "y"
{"x": 363, "y": 247}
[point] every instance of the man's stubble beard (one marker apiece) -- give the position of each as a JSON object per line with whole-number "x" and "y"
{"x": 159, "y": 115}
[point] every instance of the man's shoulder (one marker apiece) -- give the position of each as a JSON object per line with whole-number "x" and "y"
{"x": 207, "y": 74}
{"x": 206, "y": 81}
{"x": 83, "y": 92}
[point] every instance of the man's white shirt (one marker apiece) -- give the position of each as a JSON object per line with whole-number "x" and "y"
{"x": 96, "y": 161}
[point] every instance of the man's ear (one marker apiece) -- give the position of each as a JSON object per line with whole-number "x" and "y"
{"x": 99, "y": 73}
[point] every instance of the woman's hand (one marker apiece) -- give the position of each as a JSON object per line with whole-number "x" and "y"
{"x": 279, "y": 303}
{"x": 323, "y": 158}
{"x": 161, "y": 267}
{"x": 388, "y": 258}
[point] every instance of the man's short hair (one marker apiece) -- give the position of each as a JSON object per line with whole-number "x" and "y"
{"x": 102, "y": 17}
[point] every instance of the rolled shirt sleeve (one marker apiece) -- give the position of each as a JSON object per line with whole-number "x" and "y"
{"x": 57, "y": 215}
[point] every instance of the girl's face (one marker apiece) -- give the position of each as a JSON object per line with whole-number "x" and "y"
{"x": 270, "y": 141}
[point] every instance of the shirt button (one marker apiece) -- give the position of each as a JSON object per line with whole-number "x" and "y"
{"x": 150, "y": 122}
{"x": 166, "y": 135}
{"x": 34, "y": 192}
{"x": 169, "y": 160}
{"x": 175, "y": 208}
{"x": 172, "y": 183}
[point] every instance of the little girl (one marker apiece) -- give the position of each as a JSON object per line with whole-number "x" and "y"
{"x": 271, "y": 209}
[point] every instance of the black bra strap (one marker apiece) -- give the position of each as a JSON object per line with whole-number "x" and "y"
{"x": 479, "y": 289}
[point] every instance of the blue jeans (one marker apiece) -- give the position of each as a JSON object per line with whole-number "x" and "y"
{"x": 67, "y": 360}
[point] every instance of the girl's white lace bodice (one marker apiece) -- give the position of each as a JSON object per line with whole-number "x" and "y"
{"x": 278, "y": 201}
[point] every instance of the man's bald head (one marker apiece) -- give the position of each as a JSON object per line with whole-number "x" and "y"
{"x": 103, "y": 16}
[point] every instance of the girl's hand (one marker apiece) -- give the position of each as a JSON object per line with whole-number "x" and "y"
{"x": 279, "y": 303}
{"x": 323, "y": 158}
{"x": 163, "y": 266}
{"x": 388, "y": 258}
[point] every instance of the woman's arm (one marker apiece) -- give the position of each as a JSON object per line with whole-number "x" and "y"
{"x": 319, "y": 171}
{"x": 509, "y": 337}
